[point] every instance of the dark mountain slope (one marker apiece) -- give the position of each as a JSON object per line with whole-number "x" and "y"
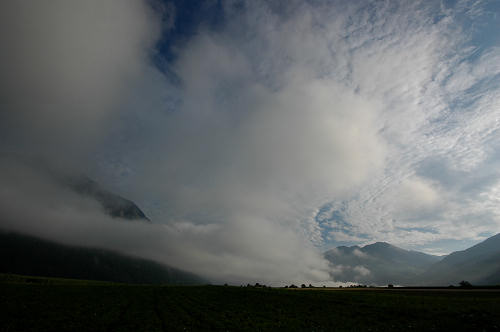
{"x": 479, "y": 265}
{"x": 395, "y": 254}
{"x": 379, "y": 263}
{"x": 22, "y": 254}
{"x": 114, "y": 205}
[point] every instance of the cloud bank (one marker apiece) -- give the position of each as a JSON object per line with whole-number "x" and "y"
{"x": 65, "y": 67}
{"x": 261, "y": 140}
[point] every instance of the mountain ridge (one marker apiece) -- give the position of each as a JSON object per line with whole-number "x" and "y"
{"x": 378, "y": 263}
{"x": 479, "y": 264}
{"x": 30, "y": 255}
{"x": 23, "y": 253}
{"x": 383, "y": 263}
{"x": 114, "y": 205}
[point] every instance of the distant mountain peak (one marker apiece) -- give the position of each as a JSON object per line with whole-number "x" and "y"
{"x": 380, "y": 245}
{"x": 384, "y": 262}
{"x": 114, "y": 205}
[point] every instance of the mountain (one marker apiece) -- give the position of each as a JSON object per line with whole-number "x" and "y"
{"x": 114, "y": 205}
{"x": 22, "y": 254}
{"x": 25, "y": 254}
{"x": 44, "y": 171}
{"x": 378, "y": 263}
{"x": 480, "y": 265}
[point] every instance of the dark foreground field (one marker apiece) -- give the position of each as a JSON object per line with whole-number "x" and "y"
{"x": 39, "y": 304}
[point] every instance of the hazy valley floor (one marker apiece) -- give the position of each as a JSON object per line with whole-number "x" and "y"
{"x": 41, "y": 304}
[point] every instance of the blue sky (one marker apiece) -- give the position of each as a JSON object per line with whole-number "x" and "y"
{"x": 257, "y": 134}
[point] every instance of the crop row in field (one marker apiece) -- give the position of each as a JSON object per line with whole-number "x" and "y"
{"x": 65, "y": 305}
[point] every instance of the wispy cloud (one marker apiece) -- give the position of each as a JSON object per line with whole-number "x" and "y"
{"x": 439, "y": 93}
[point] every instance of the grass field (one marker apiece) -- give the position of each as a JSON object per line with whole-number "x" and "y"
{"x": 43, "y": 304}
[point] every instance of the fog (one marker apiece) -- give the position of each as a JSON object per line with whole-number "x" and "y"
{"x": 231, "y": 165}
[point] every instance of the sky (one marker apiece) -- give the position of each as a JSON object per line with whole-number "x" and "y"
{"x": 254, "y": 134}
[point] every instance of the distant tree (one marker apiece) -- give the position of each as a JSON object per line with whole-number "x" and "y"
{"x": 311, "y": 286}
{"x": 303, "y": 286}
{"x": 390, "y": 286}
{"x": 465, "y": 284}
{"x": 225, "y": 285}
{"x": 293, "y": 286}
{"x": 286, "y": 286}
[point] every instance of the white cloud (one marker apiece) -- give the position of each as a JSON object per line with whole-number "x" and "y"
{"x": 439, "y": 94}
{"x": 65, "y": 67}
{"x": 414, "y": 196}
{"x": 359, "y": 253}
{"x": 361, "y": 270}
{"x": 242, "y": 159}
